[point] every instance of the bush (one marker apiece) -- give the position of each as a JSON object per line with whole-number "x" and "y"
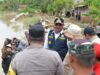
{"x": 29, "y": 10}
{"x": 85, "y": 14}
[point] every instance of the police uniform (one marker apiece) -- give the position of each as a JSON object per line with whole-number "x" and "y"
{"x": 35, "y": 60}
{"x": 59, "y": 44}
{"x": 56, "y": 40}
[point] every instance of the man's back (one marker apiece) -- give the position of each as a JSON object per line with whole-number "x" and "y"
{"x": 37, "y": 61}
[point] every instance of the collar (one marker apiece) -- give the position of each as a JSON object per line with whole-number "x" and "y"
{"x": 95, "y": 39}
{"x": 61, "y": 32}
{"x": 35, "y": 45}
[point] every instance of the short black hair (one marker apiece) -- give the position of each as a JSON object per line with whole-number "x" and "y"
{"x": 36, "y": 31}
{"x": 89, "y": 31}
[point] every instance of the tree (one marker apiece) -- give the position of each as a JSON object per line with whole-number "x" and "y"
{"x": 47, "y": 6}
{"x": 58, "y": 5}
{"x": 94, "y": 7}
{"x": 11, "y": 4}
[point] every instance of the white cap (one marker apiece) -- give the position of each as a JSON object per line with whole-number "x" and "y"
{"x": 9, "y": 45}
{"x": 73, "y": 30}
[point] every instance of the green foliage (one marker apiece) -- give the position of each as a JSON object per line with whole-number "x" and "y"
{"x": 58, "y": 5}
{"x": 29, "y": 10}
{"x": 1, "y": 6}
{"x": 94, "y": 6}
{"x": 69, "y": 4}
{"x": 93, "y": 2}
{"x": 11, "y": 4}
{"x": 46, "y": 6}
{"x": 86, "y": 14}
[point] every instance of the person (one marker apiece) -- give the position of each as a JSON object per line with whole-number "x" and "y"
{"x": 7, "y": 55}
{"x": 90, "y": 34}
{"x": 73, "y": 32}
{"x": 35, "y": 60}
{"x": 19, "y": 44}
{"x": 98, "y": 31}
{"x": 26, "y": 36}
{"x": 73, "y": 13}
{"x": 81, "y": 58}
{"x": 13, "y": 46}
{"x": 56, "y": 39}
{"x": 78, "y": 15}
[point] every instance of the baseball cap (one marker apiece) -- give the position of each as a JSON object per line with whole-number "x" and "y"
{"x": 83, "y": 51}
{"x": 89, "y": 30}
{"x": 59, "y": 20}
{"x": 36, "y": 31}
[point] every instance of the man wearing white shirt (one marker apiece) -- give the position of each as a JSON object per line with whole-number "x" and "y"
{"x": 56, "y": 40}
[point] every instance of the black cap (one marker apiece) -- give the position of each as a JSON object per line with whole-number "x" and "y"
{"x": 36, "y": 31}
{"x": 89, "y": 30}
{"x": 59, "y": 20}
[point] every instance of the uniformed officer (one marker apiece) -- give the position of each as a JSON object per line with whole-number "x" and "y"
{"x": 56, "y": 39}
{"x": 35, "y": 60}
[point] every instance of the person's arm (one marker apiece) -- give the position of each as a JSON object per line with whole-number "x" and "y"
{"x": 3, "y": 52}
{"x": 60, "y": 69}
{"x": 27, "y": 36}
{"x": 4, "y": 49}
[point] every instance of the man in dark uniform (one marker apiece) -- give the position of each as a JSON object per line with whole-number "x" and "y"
{"x": 56, "y": 39}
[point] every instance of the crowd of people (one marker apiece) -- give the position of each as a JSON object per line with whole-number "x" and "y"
{"x": 10, "y": 48}
{"x": 59, "y": 52}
